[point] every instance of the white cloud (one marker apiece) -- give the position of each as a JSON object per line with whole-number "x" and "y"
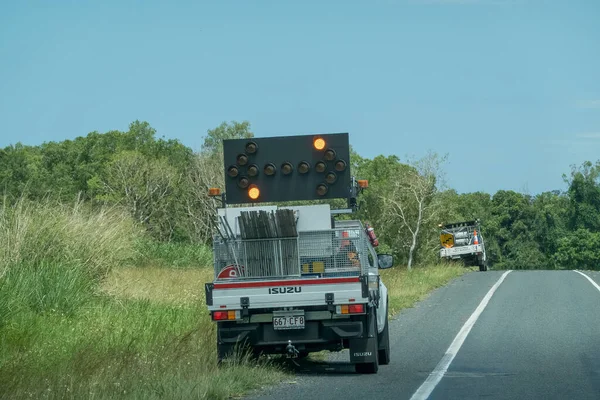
{"x": 464, "y": 2}
{"x": 593, "y": 104}
{"x": 572, "y": 139}
{"x": 448, "y": 1}
{"x": 589, "y": 135}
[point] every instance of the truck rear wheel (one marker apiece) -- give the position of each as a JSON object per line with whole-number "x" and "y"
{"x": 384, "y": 340}
{"x": 368, "y": 368}
{"x": 223, "y": 351}
{"x": 242, "y": 350}
{"x": 373, "y": 366}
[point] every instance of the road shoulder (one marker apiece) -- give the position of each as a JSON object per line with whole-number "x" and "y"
{"x": 419, "y": 337}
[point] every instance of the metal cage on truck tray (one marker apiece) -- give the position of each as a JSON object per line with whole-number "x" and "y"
{"x": 324, "y": 253}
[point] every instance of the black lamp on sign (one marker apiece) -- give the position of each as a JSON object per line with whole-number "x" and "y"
{"x": 232, "y": 171}
{"x": 340, "y": 165}
{"x": 253, "y": 170}
{"x": 243, "y": 182}
{"x": 330, "y": 154}
{"x": 320, "y": 167}
{"x": 286, "y": 168}
{"x": 330, "y": 178}
{"x": 251, "y": 147}
{"x": 269, "y": 169}
{"x": 303, "y": 167}
{"x": 322, "y": 189}
{"x": 242, "y": 159}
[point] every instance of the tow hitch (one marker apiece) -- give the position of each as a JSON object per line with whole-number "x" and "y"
{"x": 292, "y": 351}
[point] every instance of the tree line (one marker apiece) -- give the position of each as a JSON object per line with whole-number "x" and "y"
{"x": 164, "y": 184}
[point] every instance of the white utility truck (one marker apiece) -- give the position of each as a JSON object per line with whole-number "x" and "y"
{"x": 295, "y": 279}
{"x": 463, "y": 241}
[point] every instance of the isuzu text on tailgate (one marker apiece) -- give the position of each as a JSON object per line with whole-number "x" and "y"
{"x": 284, "y": 290}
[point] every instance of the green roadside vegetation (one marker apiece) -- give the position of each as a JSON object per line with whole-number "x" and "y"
{"x": 105, "y": 245}
{"x": 80, "y": 317}
{"x": 63, "y": 334}
{"x": 406, "y": 288}
{"x": 163, "y": 186}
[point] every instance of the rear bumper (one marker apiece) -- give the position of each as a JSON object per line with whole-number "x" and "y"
{"x": 314, "y": 333}
{"x": 457, "y": 252}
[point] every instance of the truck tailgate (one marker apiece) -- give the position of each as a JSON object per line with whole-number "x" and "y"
{"x": 459, "y": 250}
{"x": 285, "y": 293}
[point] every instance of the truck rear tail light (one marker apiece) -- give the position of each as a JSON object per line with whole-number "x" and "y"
{"x": 226, "y": 315}
{"x": 350, "y": 309}
{"x": 219, "y": 315}
{"x": 356, "y": 308}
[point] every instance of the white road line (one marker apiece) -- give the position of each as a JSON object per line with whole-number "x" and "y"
{"x": 438, "y": 373}
{"x": 589, "y": 279}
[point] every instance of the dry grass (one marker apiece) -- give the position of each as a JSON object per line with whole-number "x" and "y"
{"x": 186, "y": 286}
{"x": 145, "y": 334}
{"x": 164, "y": 285}
{"x": 408, "y": 287}
{"x": 63, "y": 337}
{"x": 36, "y": 232}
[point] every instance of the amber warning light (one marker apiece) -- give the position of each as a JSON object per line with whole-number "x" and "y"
{"x": 214, "y": 192}
{"x": 253, "y": 193}
{"x": 363, "y": 183}
{"x": 319, "y": 144}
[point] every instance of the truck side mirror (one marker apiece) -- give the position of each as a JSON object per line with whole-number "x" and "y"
{"x": 385, "y": 261}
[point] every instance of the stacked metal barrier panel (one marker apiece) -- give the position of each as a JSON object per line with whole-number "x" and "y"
{"x": 270, "y": 247}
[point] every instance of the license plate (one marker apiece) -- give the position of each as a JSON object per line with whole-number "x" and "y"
{"x": 290, "y": 320}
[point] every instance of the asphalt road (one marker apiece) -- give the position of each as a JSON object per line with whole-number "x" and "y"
{"x": 538, "y": 337}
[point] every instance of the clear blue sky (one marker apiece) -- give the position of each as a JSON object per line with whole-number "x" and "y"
{"x": 509, "y": 89}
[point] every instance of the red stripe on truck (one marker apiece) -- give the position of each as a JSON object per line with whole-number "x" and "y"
{"x": 321, "y": 281}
